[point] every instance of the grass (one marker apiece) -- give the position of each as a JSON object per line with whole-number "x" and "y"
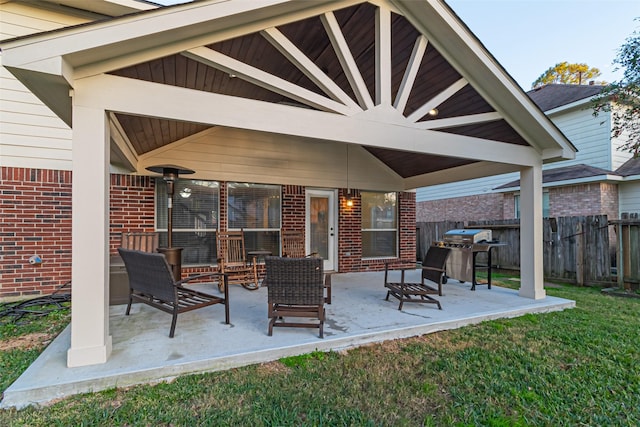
{"x": 576, "y": 367}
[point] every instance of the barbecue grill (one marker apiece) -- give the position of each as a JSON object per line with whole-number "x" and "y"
{"x": 465, "y": 245}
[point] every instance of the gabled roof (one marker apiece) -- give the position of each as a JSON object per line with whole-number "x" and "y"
{"x": 563, "y": 174}
{"x": 552, "y": 96}
{"x": 630, "y": 167}
{"x": 365, "y": 73}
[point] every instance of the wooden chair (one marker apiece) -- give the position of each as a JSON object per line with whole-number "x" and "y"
{"x": 151, "y": 282}
{"x": 146, "y": 242}
{"x": 296, "y": 289}
{"x": 433, "y": 269}
{"x": 293, "y": 246}
{"x": 232, "y": 260}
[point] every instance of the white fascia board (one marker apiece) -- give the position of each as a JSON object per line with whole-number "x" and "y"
{"x": 106, "y": 7}
{"x": 131, "y": 96}
{"x": 460, "y": 47}
{"x": 568, "y": 182}
{"x": 581, "y": 103}
{"x": 168, "y": 30}
{"x": 631, "y": 178}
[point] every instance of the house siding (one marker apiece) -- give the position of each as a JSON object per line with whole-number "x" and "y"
{"x": 629, "y": 197}
{"x": 36, "y": 220}
{"x": 31, "y": 135}
{"x": 475, "y": 199}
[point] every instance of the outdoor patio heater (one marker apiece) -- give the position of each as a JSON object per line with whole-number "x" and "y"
{"x": 170, "y": 174}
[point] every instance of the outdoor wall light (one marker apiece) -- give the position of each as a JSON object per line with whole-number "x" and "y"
{"x": 349, "y": 201}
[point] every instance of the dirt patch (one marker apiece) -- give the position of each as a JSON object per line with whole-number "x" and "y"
{"x": 26, "y": 342}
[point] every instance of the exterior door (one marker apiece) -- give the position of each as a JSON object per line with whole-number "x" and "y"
{"x": 322, "y": 226}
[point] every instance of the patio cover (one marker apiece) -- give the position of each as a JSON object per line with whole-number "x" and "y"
{"x": 403, "y": 87}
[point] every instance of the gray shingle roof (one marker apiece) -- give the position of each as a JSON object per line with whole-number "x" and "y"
{"x": 630, "y": 167}
{"x": 551, "y": 96}
{"x": 564, "y": 173}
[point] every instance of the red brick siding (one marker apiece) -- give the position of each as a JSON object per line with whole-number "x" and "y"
{"x": 35, "y": 219}
{"x": 350, "y": 228}
{"x": 35, "y": 209}
{"x": 293, "y": 207}
{"x": 131, "y": 208}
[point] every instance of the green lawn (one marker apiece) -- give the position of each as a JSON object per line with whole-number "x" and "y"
{"x": 570, "y": 368}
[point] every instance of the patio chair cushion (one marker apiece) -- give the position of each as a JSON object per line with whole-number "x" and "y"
{"x": 151, "y": 282}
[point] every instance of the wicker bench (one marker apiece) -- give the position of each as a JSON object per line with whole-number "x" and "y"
{"x": 151, "y": 282}
{"x": 296, "y": 289}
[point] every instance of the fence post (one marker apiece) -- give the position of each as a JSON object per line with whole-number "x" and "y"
{"x": 579, "y": 255}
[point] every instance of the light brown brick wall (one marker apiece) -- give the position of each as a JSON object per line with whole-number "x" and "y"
{"x": 469, "y": 208}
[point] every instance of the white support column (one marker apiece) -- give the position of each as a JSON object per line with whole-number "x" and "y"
{"x": 90, "y": 339}
{"x": 531, "y": 250}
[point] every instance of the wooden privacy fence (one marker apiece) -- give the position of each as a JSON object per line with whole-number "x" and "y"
{"x": 627, "y": 231}
{"x": 576, "y": 248}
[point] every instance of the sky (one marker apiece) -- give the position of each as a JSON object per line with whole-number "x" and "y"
{"x": 529, "y": 36}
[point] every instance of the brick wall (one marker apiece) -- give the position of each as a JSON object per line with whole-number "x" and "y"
{"x": 131, "y": 207}
{"x": 35, "y": 209}
{"x": 575, "y": 200}
{"x": 584, "y": 199}
{"x": 35, "y": 219}
{"x": 469, "y": 208}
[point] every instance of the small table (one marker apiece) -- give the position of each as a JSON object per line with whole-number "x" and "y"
{"x": 255, "y": 255}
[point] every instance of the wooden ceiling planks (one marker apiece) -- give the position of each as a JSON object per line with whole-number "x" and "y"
{"x": 357, "y": 24}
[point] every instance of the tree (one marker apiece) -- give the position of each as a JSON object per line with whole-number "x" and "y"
{"x": 574, "y": 74}
{"x": 622, "y": 98}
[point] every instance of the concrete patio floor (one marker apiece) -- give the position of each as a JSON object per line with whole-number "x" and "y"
{"x": 144, "y": 353}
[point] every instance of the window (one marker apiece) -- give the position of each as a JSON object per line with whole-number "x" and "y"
{"x": 545, "y": 205}
{"x": 256, "y": 208}
{"x": 195, "y": 218}
{"x": 379, "y": 225}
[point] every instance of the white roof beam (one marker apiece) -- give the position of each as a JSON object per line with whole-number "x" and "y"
{"x": 383, "y": 56}
{"x": 121, "y": 140}
{"x": 308, "y": 67}
{"x": 437, "y": 100}
{"x": 409, "y": 78}
{"x": 458, "y": 121}
{"x": 346, "y": 59}
{"x": 265, "y": 80}
{"x": 132, "y": 96}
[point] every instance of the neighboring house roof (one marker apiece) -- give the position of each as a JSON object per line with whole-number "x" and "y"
{"x": 630, "y": 167}
{"x": 552, "y": 96}
{"x": 565, "y": 173}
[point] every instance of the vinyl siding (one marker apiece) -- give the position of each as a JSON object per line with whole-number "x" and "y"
{"x": 30, "y": 134}
{"x": 586, "y": 132}
{"x": 629, "y": 197}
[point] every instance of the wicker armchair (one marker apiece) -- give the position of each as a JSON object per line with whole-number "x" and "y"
{"x": 151, "y": 281}
{"x": 296, "y": 289}
{"x": 433, "y": 269}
